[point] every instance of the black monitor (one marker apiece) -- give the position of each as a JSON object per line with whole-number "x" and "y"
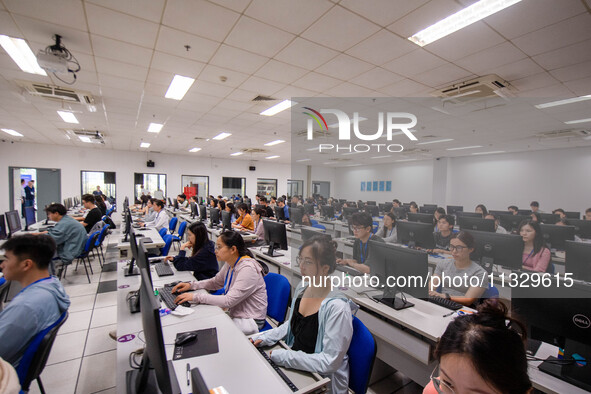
{"x": 370, "y": 203}
{"x": 468, "y": 214}
{"x": 29, "y": 217}
{"x": 385, "y": 207}
{"x": 549, "y": 218}
{"x": 358, "y": 204}
{"x": 373, "y": 210}
{"x": 400, "y": 213}
{"x": 202, "y": 213}
{"x": 420, "y": 217}
{"x": 582, "y": 227}
{"x": 348, "y": 212}
{"x": 156, "y": 374}
{"x": 524, "y": 212}
{"x": 415, "y": 234}
{"x": 194, "y": 211}
{"x": 275, "y": 236}
{"x": 496, "y": 213}
{"x": 561, "y": 317}
{"x": 430, "y": 205}
{"x": 427, "y": 209}
{"x": 308, "y": 233}
{"x": 169, "y": 202}
{"x": 214, "y": 217}
{"x": 126, "y": 203}
{"x": 505, "y": 250}
{"x": 572, "y": 215}
{"x": 327, "y": 212}
{"x": 127, "y": 224}
{"x": 3, "y": 232}
{"x": 259, "y": 206}
{"x": 295, "y": 216}
{"x": 14, "y": 222}
{"x": 248, "y": 202}
{"x": 511, "y": 222}
{"x": 454, "y": 209}
{"x": 478, "y": 224}
{"x": 556, "y": 236}
{"x": 279, "y": 213}
{"x": 309, "y": 209}
{"x": 176, "y": 204}
{"x": 578, "y": 260}
{"x": 226, "y": 220}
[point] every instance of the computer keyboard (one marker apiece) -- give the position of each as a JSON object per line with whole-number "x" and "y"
{"x": 444, "y": 302}
{"x": 163, "y": 269}
{"x": 349, "y": 270}
{"x": 168, "y": 298}
{"x": 279, "y": 371}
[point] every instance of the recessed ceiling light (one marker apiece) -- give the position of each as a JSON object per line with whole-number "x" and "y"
{"x": 13, "y": 132}
{"x": 459, "y": 20}
{"x": 276, "y": 142}
{"x": 84, "y": 138}
{"x": 465, "y": 147}
{"x": 194, "y": 150}
{"x": 155, "y": 127}
{"x": 488, "y": 153}
{"x": 326, "y": 163}
{"x": 21, "y": 53}
{"x": 271, "y": 157}
{"x": 145, "y": 145}
{"x": 68, "y": 117}
{"x": 434, "y": 142}
{"x": 313, "y": 149}
{"x": 237, "y": 153}
{"x": 179, "y": 87}
{"x": 563, "y": 102}
{"x": 221, "y": 136}
{"x": 578, "y": 121}
{"x": 282, "y": 106}
{"x": 301, "y": 160}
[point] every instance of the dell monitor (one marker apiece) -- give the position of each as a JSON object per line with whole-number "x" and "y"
{"x": 348, "y": 212}
{"x": 511, "y": 222}
{"x": 427, "y": 209}
{"x": 275, "y": 236}
{"x": 582, "y": 227}
{"x": 549, "y": 218}
{"x": 572, "y": 215}
{"x": 468, "y": 214}
{"x": 491, "y": 248}
{"x": 496, "y": 213}
{"x": 295, "y": 216}
{"x": 327, "y": 212}
{"x": 29, "y": 218}
{"x": 559, "y": 316}
{"x": 578, "y": 260}
{"x": 279, "y": 213}
{"x": 373, "y": 210}
{"x": 14, "y": 222}
{"x": 202, "y": 213}
{"x": 556, "y": 236}
{"x": 309, "y": 209}
{"x": 524, "y": 212}
{"x": 132, "y": 268}
{"x": 478, "y": 224}
{"x": 3, "y": 232}
{"x": 214, "y": 217}
{"x": 454, "y": 209}
{"x": 226, "y": 221}
{"x": 415, "y": 234}
{"x": 308, "y": 233}
{"x": 370, "y": 203}
{"x": 420, "y": 217}
{"x": 400, "y": 213}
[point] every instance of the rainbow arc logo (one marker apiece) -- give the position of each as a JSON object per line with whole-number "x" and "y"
{"x": 316, "y": 115}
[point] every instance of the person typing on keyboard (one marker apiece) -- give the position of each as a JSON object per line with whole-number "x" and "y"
{"x": 319, "y": 328}
{"x": 241, "y": 277}
{"x": 244, "y": 221}
{"x": 361, "y": 224}
{"x": 443, "y": 283}
{"x": 202, "y": 261}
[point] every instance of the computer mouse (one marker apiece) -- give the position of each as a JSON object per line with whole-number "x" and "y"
{"x": 186, "y": 304}
{"x": 185, "y": 338}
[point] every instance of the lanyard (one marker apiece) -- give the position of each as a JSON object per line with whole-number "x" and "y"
{"x": 226, "y": 283}
{"x": 528, "y": 256}
{"x": 363, "y": 251}
{"x": 37, "y": 281}
{"x": 389, "y": 235}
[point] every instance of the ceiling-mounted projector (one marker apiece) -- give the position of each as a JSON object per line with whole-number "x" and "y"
{"x": 57, "y": 59}
{"x": 52, "y": 62}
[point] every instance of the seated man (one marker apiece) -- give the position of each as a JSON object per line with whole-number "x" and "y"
{"x": 41, "y": 301}
{"x": 93, "y": 216}
{"x": 443, "y": 236}
{"x": 182, "y": 200}
{"x": 361, "y": 224}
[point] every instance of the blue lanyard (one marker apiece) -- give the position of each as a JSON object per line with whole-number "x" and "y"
{"x": 389, "y": 235}
{"x": 226, "y": 283}
{"x": 37, "y": 281}
{"x": 362, "y": 252}
{"x": 528, "y": 256}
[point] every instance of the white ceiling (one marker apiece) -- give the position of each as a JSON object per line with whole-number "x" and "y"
{"x": 130, "y": 50}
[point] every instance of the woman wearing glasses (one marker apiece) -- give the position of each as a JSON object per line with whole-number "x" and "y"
{"x": 245, "y": 294}
{"x": 481, "y": 353}
{"x": 460, "y": 279}
{"x": 319, "y": 328}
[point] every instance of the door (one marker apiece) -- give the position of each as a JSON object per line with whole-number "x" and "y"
{"x": 48, "y": 188}
{"x": 322, "y": 188}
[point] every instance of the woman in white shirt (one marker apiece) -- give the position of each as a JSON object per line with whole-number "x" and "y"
{"x": 257, "y": 216}
{"x": 388, "y": 229}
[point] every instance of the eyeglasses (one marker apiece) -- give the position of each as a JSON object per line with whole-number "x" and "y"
{"x": 440, "y": 386}
{"x": 218, "y": 247}
{"x": 358, "y": 228}
{"x": 459, "y": 248}
{"x": 301, "y": 262}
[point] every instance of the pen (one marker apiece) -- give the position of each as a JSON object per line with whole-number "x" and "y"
{"x": 188, "y": 374}
{"x": 449, "y": 314}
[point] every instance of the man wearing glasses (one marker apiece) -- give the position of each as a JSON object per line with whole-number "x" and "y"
{"x": 361, "y": 224}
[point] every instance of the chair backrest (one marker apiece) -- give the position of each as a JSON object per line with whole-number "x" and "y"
{"x": 162, "y": 232}
{"x": 320, "y": 226}
{"x": 167, "y": 242}
{"x": 182, "y": 228}
{"x": 37, "y": 353}
{"x": 278, "y": 290}
{"x": 376, "y": 227}
{"x": 313, "y": 222}
{"x": 102, "y": 235}
{"x": 110, "y": 210}
{"x": 362, "y": 354}
{"x": 91, "y": 241}
{"x": 172, "y": 224}
{"x": 491, "y": 292}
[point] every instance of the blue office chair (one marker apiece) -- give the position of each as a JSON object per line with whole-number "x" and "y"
{"x": 162, "y": 232}
{"x": 375, "y": 228}
{"x": 551, "y": 269}
{"x": 278, "y": 291}
{"x": 491, "y": 292}
{"x": 167, "y": 243}
{"x": 172, "y": 224}
{"x": 36, "y": 355}
{"x": 313, "y": 222}
{"x": 362, "y": 354}
{"x": 110, "y": 211}
{"x": 99, "y": 243}
{"x": 181, "y": 233}
{"x": 85, "y": 255}
{"x": 320, "y": 226}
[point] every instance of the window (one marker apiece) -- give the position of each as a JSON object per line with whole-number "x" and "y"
{"x": 152, "y": 184}
{"x": 233, "y": 186}
{"x": 295, "y": 187}
{"x": 267, "y": 187}
{"x": 89, "y": 180}
{"x": 195, "y": 185}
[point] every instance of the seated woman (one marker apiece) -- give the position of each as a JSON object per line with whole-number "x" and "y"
{"x": 535, "y": 217}
{"x": 443, "y": 237}
{"x": 388, "y": 229}
{"x": 481, "y": 209}
{"x": 202, "y": 261}
{"x": 536, "y": 256}
{"x": 233, "y": 212}
{"x": 257, "y": 215}
{"x": 461, "y": 245}
{"x": 241, "y": 277}
{"x": 244, "y": 221}
{"x": 481, "y": 353}
{"x": 439, "y": 212}
{"x": 319, "y": 328}
{"x": 306, "y": 220}
{"x": 414, "y": 208}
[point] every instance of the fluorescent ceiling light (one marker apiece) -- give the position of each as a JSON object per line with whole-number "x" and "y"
{"x": 68, "y": 117}
{"x": 353, "y": 165}
{"x": 271, "y": 157}
{"x": 221, "y": 136}
{"x": 179, "y": 87}
{"x": 194, "y": 150}
{"x": 145, "y": 145}
{"x": 459, "y": 20}
{"x": 465, "y": 147}
{"x": 398, "y": 161}
{"x": 237, "y": 153}
{"x": 578, "y": 121}
{"x": 488, "y": 153}
{"x": 155, "y": 127}
{"x": 313, "y": 149}
{"x": 13, "y": 132}
{"x": 84, "y": 138}
{"x": 379, "y": 157}
{"x": 327, "y": 163}
{"x": 351, "y": 153}
{"x": 301, "y": 160}
{"x": 436, "y": 141}
{"x": 335, "y": 125}
{"x": 276, "y": 142}
{"x": 282, "y": 106}
{"x": 563, "y": 102}
{"x": 22, "y": 55}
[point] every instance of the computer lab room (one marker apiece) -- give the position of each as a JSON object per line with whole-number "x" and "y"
{"x": 312, "y": 196}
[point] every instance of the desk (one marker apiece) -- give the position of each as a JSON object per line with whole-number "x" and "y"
{"x": 116, "y": 239}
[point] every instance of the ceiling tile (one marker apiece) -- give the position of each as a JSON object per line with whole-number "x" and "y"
{"x": 257, "y": 37}
{"x": 534, "y": 81}
{"x": 414, "y": 63}
{"x": 293, "y": 16}
{"x": 176, "y": 65}
{"x": 347, "y": 89}
{"x": 516, "y": 70}
{"x": 566, "y": 56}
{"x": 344, "y": 67}
{"x": 317, "y": 82}
{"x": 376, "y": 78}
{"x": 280, "y": 72}
{"x": 40, "y": 34}
{"x": 499, "y": 55}
{"x": 237, "y": 59}
{"x": 236, "y": 5}
{"x": 121, "y": 83}
{"x": 580, "y": 86}
{"x": 9, "y": 28}
{"x": 405, "y": 88}
{"x": 112, "y": 67}
{"x": 381, "y": 48}
{"x": 242, "y": 95}
{"x": 306, "y": 54}
{"x": 62, "y": 12}
{"x": 383, "y": 12}
{"x": 151, "y": 10}
{"x": 262, "y": 86}
{"x": 213, "y": 74}
{"x": 573, "y": 72}
{"x": 424, "y": 16}
{"x": 211, "y": 89}
{"x": 121, "y": 51}
{"x": 173, "y": 42}
{"x": 443, "y": 75}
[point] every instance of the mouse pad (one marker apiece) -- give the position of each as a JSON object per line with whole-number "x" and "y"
{"x": 206, "y": 343}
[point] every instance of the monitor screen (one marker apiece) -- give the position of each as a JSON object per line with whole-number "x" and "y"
{"x": 578, "y": 260}
{"x": 373, "y": 210}
{"x": 3, "y": 232}
{"x": 308, "y": 233}
{"x": 415, "y": 234}
{"x": 556, "y": 236}
{"x": 176, "y": 204}
{"x": 582, "y": 227}
{"x": 296, "y": 215}
{"x": 420, "y": 217}
{"x": 453, "y": 209}
{"x": 309, "y": 209}
{"x": 502, "y": 249}
{"x": 226, "y": 220}
{"x": 469, "y": 214}
{"x": 14, "y": 222}
{"x": 549, "y": 218}
{"x": 400, "y": 213}
{"x": 279, "y": 213}
{"x": 29, "y": 217}
{"x": 478, "y": 224}
{"x": 275, "y": 236}
{"x": 327, "y": 211}
{"x": 202, "y": 213}
{"x": 427, "y": 209}
{"x": 511, "y": 222}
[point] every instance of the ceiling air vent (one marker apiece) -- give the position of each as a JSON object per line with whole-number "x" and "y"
{"x": 90, "y": 136}
{"x": 474, "y": 89}
{"x": 568, "y": 133}
{"x": 316, "y": 133}
{"x": 57, "y": 93}
{"x": 263, "y": 98}
{"x": 254, "y": 150}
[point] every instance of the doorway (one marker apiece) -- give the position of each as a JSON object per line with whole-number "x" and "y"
{"x": 321, "y": 188}
{"x": 46, "y": 181}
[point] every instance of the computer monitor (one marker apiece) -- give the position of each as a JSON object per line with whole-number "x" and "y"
{"x": 454, "y": 209}
{"x": 572, "y": 215}
{"x": 308, "y": 233}
{"x": 496, "y": 213}
{"x": 582, "y": 227}
{"x": 478, "y": 224}
{"x": 169, "y": 202}
{"x": 358, "y": 204}
{"x": 29, "y": 217}
{"x": 524, "y": 212}
{"x": 127, "y": 224}
{"x": 426, "y": 209}
{"x": 279, "y": 213}
{"x": 385, "y": 207}
{"x": 156, "y": 373}
{"x": 14, "y": 222}
{"x": 126, "y": 203}
{"x": 415, "y": 234}
{"x": 490, "y": 248}
{"x": 259, "y": 206}
{"x": 370, "y": 203}
{"x": 327, "y": 212}
{"x": 309, "y": 209}
{"x": 348, "y": 212}
{"x": 578, "y": 260}
{"x": 175, "y": 204}
{"x": 132, "y": 269}
{"x": 420, "y": 217}
{"x": 400, "y": 213}
{"x": 559, "y": 316}
{"x": 3, "y": 232}
{"x": 275, "y": 236}
{"x": 194, "y": 211}
{"x": 202, "y": 213}
{"x": 295, "y": 216}
{"x": 549, "y": 218}
{"x": 556, "y": 236}
{"x": 511, "y": 222}
{"x": 468, "y": 214}
{"x": 226, "y": 220}
{"x": 430, "y": 205}
{"x": 373, "y": 210}
{"x": 214, "y": 217}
